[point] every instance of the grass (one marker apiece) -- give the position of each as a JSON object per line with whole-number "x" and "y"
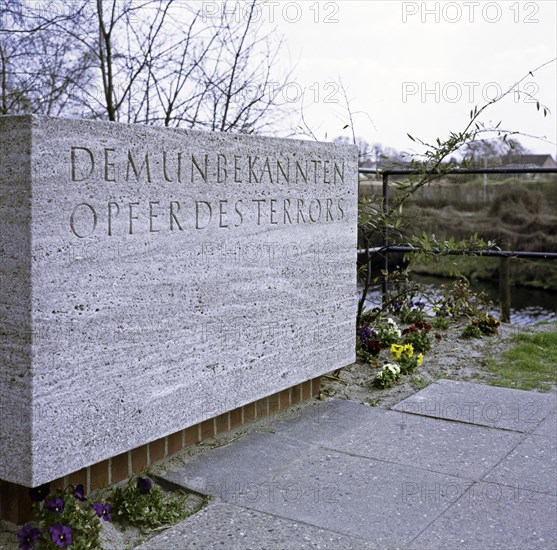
{"x": 374, "y": 402}
{"x": 531, "y": 364}
{"x": 418, "y": 383}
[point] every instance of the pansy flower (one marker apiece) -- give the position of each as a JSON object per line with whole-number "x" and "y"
{"x": 38, "y": 494}
{"x": 28, "y": 536}
{"x": 55, "y": 505}
{"x": 60, "y": 535}
{"x": 144, "y": 485}
{"x": 373, "y": 347}
{"x": 396, "y": 351}
{"x": 102, "y": 511}
{"x": 79, "y": 492}
{"x": 364, "y": 333}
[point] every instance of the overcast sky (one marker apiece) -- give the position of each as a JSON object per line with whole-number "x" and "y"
{"x": 419, "y": 67}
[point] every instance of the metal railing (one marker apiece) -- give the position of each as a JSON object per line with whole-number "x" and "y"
{"x": 505, "y": 255}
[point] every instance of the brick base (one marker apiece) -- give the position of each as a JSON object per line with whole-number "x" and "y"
{"x": 16, "y": 505}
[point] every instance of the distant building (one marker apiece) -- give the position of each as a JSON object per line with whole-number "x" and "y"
{"x": 528, "y": 161}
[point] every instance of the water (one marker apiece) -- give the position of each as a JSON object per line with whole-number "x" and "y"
{"x": 528, "y": 306}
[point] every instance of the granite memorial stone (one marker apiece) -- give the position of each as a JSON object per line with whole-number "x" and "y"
{"x": 153, "y": 278}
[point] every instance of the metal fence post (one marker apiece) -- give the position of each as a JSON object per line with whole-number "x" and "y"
{"x": 505, "y": 289}
{"x": 385, "y": 234}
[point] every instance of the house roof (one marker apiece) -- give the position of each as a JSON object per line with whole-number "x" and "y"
{"x": 528, "y": 159}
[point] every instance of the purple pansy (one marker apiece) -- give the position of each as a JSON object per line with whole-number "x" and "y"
{"x": 102, "y": 510}
{"x": 365, "y": 333}
{"x": 28, "y": 536}
{"x": 55, "y": 505}
{"x": 60, "y": 535}
{"x": 38, "y": 494}
{"x": 79, "y": 492}
{"x": 144, "y": 485}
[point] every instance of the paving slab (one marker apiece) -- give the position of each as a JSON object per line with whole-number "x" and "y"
{"x": 345, "y": 475}
{"x": 347, "y": 494}
{"x": 491, "y": 516}
{"x": 223, "y": 525}
{"x": 321, "y": 422}
{"x": 452, "y": 448}
{"x": 447, "y": 447}
{"x": 254, "y": 457}
{"x": 502, "y": 408}
{"x": 356, "y": 496}
{"x": 548, "y": 427}
{"x": 532, "y": 465}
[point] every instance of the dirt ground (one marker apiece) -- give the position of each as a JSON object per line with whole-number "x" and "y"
{"x": 453, "y": 358}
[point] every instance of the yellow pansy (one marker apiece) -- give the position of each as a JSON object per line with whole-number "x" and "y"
{"x": 409, "y": 350}
{"x": 420, "y": 359}
{"x": 396, "y": 351}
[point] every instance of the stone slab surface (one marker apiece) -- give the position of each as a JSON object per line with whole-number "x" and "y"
{"x": 491, "y": 516}
{"x": 503, "y": 408}
{"x": 222, "y": 525}
{"x": 347, "y": 494}
{"x": 531, "y": 465}
{"x": 358, "y": 472}
{"x": 252, "y": 459}
{"x": 446, "y": 447}
{"x": 153, "y": 278}
{"x": 548, "y": 427}
{"x": 323, "y": 422}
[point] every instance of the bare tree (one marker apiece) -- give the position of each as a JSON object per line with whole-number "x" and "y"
{"x": 39, "y": 69}
{"x": 153, "y": 62}
{"x": 241, "y": 92}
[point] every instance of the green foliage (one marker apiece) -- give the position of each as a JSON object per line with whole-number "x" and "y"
{"x": 483, "y": 325}
{"x": 440, "y": 323}
{"x": 376, "y": 220}
{"x": 419, "y": 339}
{"x": 530, "y": 365}
{"x": 405, "y": 358}
{"x": 363, "y": 355}
{"x": 388, "y": 332}
{"x": 429, "y": 248}
{"x": 411, "y": 315}
{"x": 471, "y": 331}
{"x": 488, "y": 324}
{"x": 459, "y": 300}
{"x": 147, "y": 511}
{"x": 78, "y": 516}
{"x": 373, "y": 402}
{"x": 388, "y": 377}
{"x": 418, "y": 383}
{"x": 372, "y": 338}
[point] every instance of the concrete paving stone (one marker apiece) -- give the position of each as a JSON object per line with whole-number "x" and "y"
{"x": 321, "y": 422}
{"x": 438, "y": 445}
{"x": 222, "y": 525}
{"x": 532, "y": 466}
{"x": 383, "y": 477}
{"x": 352, "y": 495}
{"x": 502, "y": 408}
{"x": 373, "y": 500}
{"x": 244, "y": 461}
{"x": 491, "y": 516}
{"x": 548, "y": 427}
